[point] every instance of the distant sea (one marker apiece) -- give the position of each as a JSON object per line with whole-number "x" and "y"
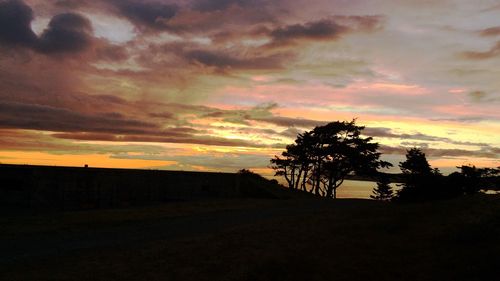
{"x": 358, "y": 189}
{"x": 363, "y": 189}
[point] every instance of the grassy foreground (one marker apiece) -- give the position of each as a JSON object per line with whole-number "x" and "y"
{"x": 263, "y": 240}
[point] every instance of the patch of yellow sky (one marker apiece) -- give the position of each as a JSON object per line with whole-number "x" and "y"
{"x": 456, "y": 162}
{"x": 107, "y": 160}
{"x": 464, "y": 132}
{"x": 485, "y": 132}
{"x": 93, "y": 160}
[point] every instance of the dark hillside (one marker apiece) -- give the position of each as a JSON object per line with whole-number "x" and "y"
{"x": 71, "y": 188}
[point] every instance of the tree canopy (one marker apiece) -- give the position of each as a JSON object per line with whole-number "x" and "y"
{"x": 472, "y": 179}
{"x": 416, "y": 163}
{"x": 320, "y": 159}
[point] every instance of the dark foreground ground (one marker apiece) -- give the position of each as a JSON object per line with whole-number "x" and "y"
{"x": 259, "y": 240}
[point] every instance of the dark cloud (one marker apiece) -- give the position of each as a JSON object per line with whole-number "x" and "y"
{"x": 242, "y": 116}
{"x": 40, "y": 141}
{"x": 111, "y": 126}
{"x": 224, "y": 61}
{"x": 492, "y": 31}
{"x": 440, "y": 153}
{"x": 153, "y": 15}
{"x": 289, "y": 122}
{"x": 486, "y": 153}
{"x": 57, "y": 86}
{"x": 37, "y": 117}
{"x": 181, "y": 16}
{"x": 466, "y": 119}
{"x": 163, "y": 115}
{"x": 261, "y": 113}
{"x": 165, "y": 135}
{"x": 380, "y": 132}
{"x": 219, "y": 5}
{"x": 491, "y": 53}
{"x": 66, "y": 33}
{"x": 478, "y": 96}
{"x": 415, "y": 144}
{"x": 325, "y": 29}
{"x": 230, "y": 35}
{"x": 168, "y": 138}
{"x": 15, "y": 24}
{"x": 392, "y": 150}
{"x": 420, "y": 136}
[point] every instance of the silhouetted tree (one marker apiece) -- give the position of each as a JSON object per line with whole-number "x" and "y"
{"x": 288, "y": 166}
{"x": 416, "y": 163}
{"x": 274, "y": 181}
{"x": 473, "y": 179}
{"x": 419, "y": 177}
{"x": 322, "y": 158}
{"x": 250, "y": 174}
{"x": 245, "y": 172}
{"x": 383, "y": 191}
{"x": 296, "y": 162}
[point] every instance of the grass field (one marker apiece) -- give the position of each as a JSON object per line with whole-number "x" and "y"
{"x": 259, "y": 240}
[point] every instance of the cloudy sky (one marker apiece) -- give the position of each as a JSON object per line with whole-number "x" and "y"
{"x": 225, "y": 84}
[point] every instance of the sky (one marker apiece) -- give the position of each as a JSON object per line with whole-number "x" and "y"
{"x": 221, "y": 85}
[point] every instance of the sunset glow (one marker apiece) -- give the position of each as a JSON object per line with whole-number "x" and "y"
{"x": 225, "y": 85}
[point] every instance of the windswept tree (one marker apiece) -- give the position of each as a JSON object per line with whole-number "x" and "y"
{"x": 289, "y": 166}
{"x": 321, "y": 159}
{"x": 296, "y": 162}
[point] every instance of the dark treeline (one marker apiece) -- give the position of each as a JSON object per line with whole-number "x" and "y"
{"x": 422, "y": 182}
{"x": 320, "y": 160}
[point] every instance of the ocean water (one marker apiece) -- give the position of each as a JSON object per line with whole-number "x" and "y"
{"x": 363, "y": 189}
{"x": 356, "y": 189}
{"x": 359, "y": 189}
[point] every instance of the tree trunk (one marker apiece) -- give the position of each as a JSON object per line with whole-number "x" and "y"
{"x": 297, "y": 180}
{"x": 304, "y": 180}
{"x": 329, "y": 190}
{"x": 318, "y": 178}
{"x": 290, "y": 185}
